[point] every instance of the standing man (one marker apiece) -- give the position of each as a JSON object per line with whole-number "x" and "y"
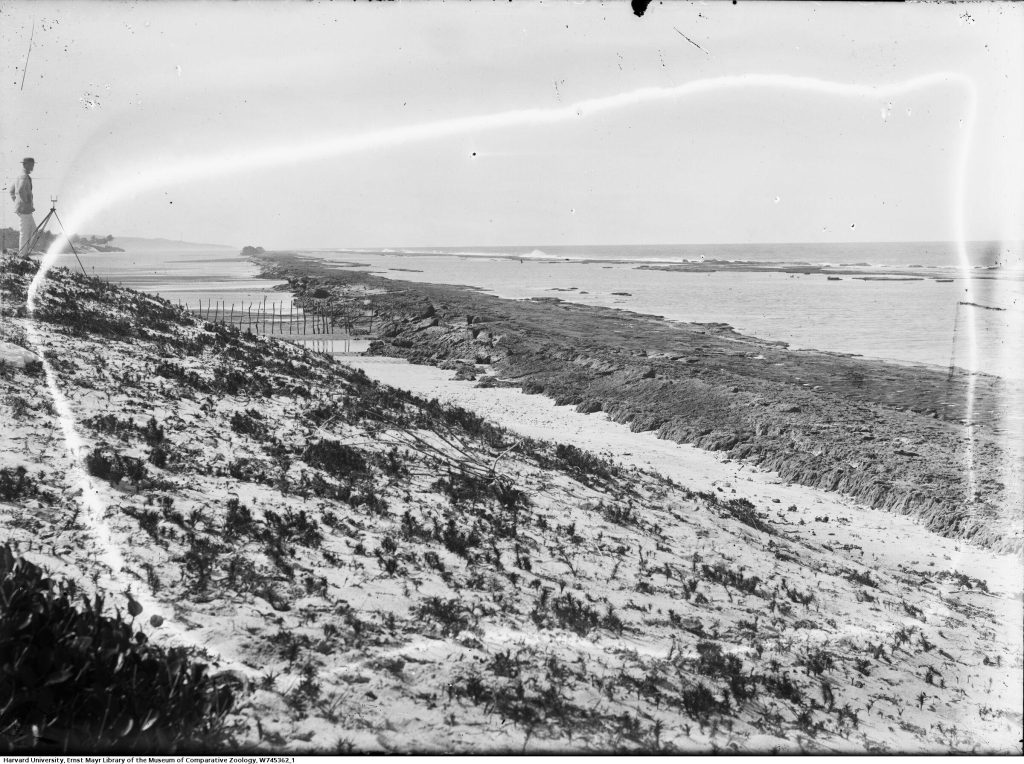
{"x": 21, "y": 195}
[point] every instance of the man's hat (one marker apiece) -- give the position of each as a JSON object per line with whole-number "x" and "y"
{"x": 26, "y": 160}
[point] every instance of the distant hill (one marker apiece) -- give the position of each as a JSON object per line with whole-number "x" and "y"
{"x": 156, "y": 245}
{"x": 10, "y": 239}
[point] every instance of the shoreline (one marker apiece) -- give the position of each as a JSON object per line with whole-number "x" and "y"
{"x": 919, "y": 319}
{"x": 380, "y": 572}
{"x": 890, "y": 435}
{"x": 698, "y": 262}
{"x": 803, "y": 514}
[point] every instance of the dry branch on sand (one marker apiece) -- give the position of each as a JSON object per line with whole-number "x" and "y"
{"x": 392, "y": 574}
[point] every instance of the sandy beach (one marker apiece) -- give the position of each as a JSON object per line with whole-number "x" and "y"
{"x": 809, "y": 514}
{"x": 587, "y": 379}
{"x": 892, "y": 436}
{"x": 363, "y": 569}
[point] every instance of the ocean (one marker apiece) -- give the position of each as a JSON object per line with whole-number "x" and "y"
{"x": 914, "y": 254}
{"x": 193, "y": 276}
{"x": 894, "y": 301}
{"x": 776, "y": 292}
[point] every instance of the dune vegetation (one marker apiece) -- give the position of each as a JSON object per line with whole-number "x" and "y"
{"x": 301, "y": 559}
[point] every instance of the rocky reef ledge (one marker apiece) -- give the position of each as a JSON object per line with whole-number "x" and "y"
{"x": 296, "y": 559}
{"x": 890, "y": 435}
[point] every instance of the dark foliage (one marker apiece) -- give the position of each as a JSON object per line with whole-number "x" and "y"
{"x": 75, "y": 680}
{"x": 249, "y": 423}
{"x": 862, "y": 578}
{"x": 18, "y": 484}
{"x": 450, "y": 615}
{"x": 238, "y": 521}
{"x": 583, "y": 463}
{"x": 292, "y": 526}
{"x": 733, "y": 578}
{"x": 334, "y": 458}
{"x": 458, "y": 541}
{"x": 713, "y": 662}
{"x": 699, "y": 702}
{"x": 743, "y": 510}
{"x": 251, "y": 470}
{"x": 472, "y": 424}
{"x": 466, "y": 489}
{"x": 111, "y": 466}
{"x": 567, "y": 612}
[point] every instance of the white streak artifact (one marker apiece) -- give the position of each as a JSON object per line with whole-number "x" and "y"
{"x": 206, "y": 167}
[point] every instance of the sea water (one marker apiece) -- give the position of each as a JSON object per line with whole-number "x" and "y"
{"x": 195, "y": 277}
{"x": 869, "y": 310}
{"x": 923, "y": 321}
{"x": 950, "y": 315}
{"x": 876, "y": 315}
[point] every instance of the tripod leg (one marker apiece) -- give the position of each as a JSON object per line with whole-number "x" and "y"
{"x": 27, "y": 249}
{"x": 53, "y": 212}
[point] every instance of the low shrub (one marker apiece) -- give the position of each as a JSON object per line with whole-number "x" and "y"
{"x": 249, "y": 423}
{"x": 463, "y": 488}
{"x": 200, "y": 560}
{"x": 817, "y": 660}
{"x": 158, "y": 456}
{"x": 962, "y": 580}
{"x": 714, "y": 662}
{"x": 449, "y": 614}
{"x": 572, "y": 614}
{"x": 862, "y": 578}
{"x": 18, "y": 484}
{"x": 107, "y": 464}
{"x": 251, "y": 470}
{"x": 75, "y": 680}
{"x": 743, "y": 510}
{"x": 152, "y": 432}
{"x": 334, "y": 458}
{"x": 583, "y": 463}
{"x": 238, "y": 520}
{"x": 620, "y": 515}
{"x": 474, "y": 425}
{"x": 174, "y": 371}
{"x": 728, "y": 577}
{"x": 699, "y": 702}
{"x": 292, "y": 526}
{"x": 456, "y": 541}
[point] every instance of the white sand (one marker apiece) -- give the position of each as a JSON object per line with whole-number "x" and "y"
{"x": 947, "y": 674}
{"x": 875, "y": 535}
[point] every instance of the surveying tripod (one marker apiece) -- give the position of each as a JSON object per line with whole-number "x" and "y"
{"x": 42, "y": 227}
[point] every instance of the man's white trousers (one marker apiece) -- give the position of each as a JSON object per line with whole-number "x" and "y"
{"x": 28, "y": 227}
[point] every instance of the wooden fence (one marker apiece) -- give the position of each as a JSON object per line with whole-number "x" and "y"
{"x": 324, "y": 332}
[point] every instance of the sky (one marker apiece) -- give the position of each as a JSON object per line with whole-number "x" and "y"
{"x": 130, "y": 109}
